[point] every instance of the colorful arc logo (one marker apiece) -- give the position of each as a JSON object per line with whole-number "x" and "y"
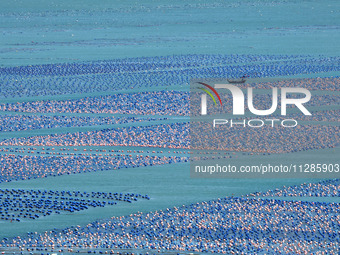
{"x": 239, "y": 99}
{"x": 209, "y": 93}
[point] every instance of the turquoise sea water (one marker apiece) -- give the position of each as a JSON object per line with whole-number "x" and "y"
{"x": 41, "y": 31}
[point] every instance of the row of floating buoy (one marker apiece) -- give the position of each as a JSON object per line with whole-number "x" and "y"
{"x": 325, "y": 188}
{"x": 226, "y": 225}
{"x": 56, "y": 79}
{"x": 19, "y": 122}
{"x": 33, "y": 167}
{"x": 18, "y": 204}
{"x": 176, "y": 136}
{"x": 166, "y": 103}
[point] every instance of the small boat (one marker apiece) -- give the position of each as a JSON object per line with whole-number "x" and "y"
{"x": 241, "y": 80}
